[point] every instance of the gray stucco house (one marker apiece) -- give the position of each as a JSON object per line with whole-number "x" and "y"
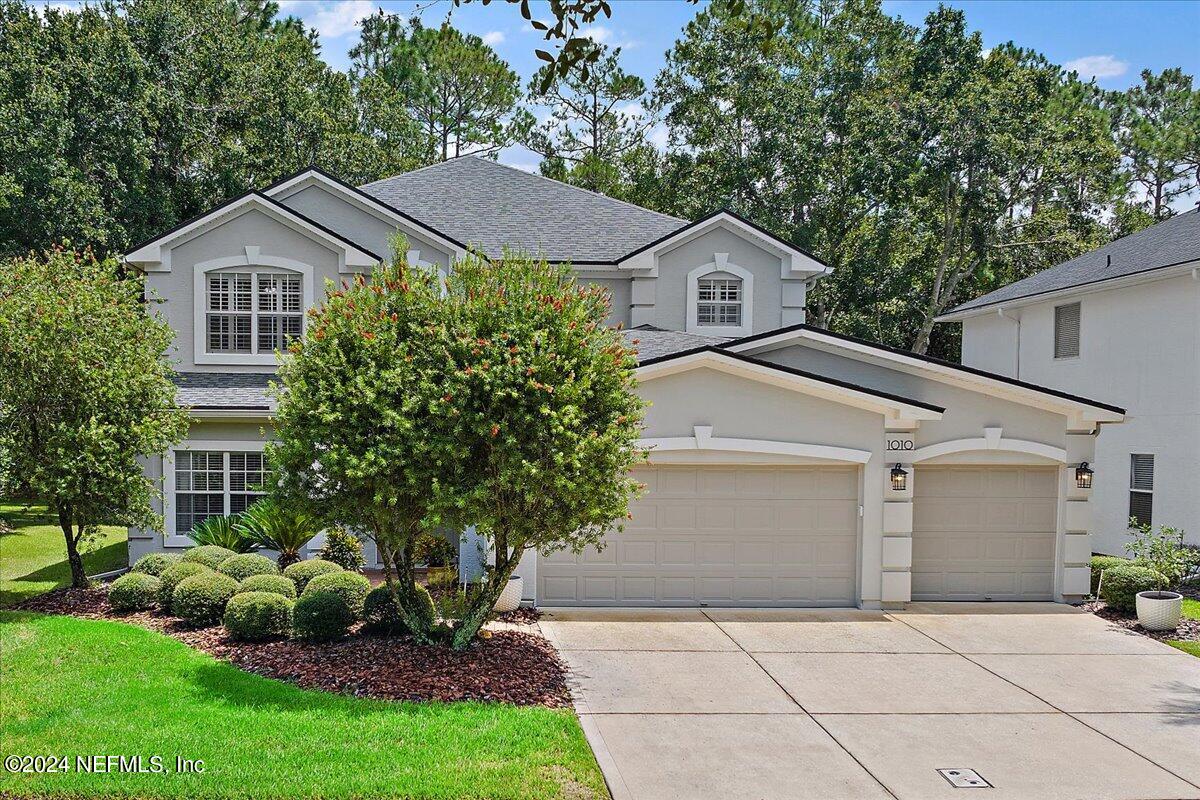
{"x": 789, "y": 466}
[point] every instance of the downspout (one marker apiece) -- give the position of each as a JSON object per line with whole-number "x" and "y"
{"x": 1016, "y": 321}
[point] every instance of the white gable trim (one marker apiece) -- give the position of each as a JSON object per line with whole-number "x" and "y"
{"x": 985, "y": 444}
{"x": 720, "y": 263}
{"x": 703, "y": 441}
{"x": 720, "y": 362}
{"x": 155, "y": 256}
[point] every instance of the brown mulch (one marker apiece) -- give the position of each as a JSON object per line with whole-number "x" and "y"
{"x": 1188, "y": 630}
{"x": 508, "y": 667}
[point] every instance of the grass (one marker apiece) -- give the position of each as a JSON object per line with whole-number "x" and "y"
{"x": 1191, "y": 648}
{"x": 1191, "y": 610}
{"x": 80, "y": 687}
{"x": 33, "y": 558}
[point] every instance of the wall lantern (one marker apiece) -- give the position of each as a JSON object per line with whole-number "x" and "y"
{"x": 1083, "y": 476}
{"x": 900, "y": 478}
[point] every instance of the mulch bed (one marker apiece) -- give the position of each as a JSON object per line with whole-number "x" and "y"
{"x": 1188, "y": 630}
{"x": 509, "y": 667}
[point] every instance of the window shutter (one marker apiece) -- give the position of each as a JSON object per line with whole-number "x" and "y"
{"x": 1066, "y": 331}
{"x": 1141, "y": 472}
{"x": 1141, "y": 507}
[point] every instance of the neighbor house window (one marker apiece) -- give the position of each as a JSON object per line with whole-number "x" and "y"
{"x": 1066, "y": 331}
{"x": 251, "y": 312}
{"x": 719, "y": 302}
{"x": 1141, "y": 487}
{"x": 211, "y": 483}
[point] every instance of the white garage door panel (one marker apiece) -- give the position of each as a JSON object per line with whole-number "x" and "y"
{"x": 721, "y": 536}
{"x": 984, "y": 533}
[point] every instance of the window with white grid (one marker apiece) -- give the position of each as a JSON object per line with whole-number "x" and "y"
{"x": 280, "y": 311}
{"x": 253, "y": 312}
{"x": 719, "y": 302}
{"x": 211, "y": 483}
{"x": 230, "y": 312}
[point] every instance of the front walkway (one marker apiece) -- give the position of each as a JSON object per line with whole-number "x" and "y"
{"x": 1043, "y": 701}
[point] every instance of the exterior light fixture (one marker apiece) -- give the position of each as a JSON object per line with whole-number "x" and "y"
{"x": 1083, "y": 476}
{"x": 900, "y": 478}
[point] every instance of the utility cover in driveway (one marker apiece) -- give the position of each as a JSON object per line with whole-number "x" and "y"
{"x": 722, "y": 536}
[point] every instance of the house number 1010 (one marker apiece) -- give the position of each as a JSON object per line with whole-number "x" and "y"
{"x": 894, "y": 445}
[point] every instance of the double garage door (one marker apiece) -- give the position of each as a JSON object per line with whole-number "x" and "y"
{"x": 722, "y": 536}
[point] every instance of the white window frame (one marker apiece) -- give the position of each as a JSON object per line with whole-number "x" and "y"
{"x": 175, "y": 538}
{"x": 1150, "y": 491}
{"x": 1078, "y": 333}
{"x": 720, "y": 263}
{"x": 246, "y": 264}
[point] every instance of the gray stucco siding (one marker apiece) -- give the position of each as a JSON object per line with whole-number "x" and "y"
{"x": 619, "y": 296}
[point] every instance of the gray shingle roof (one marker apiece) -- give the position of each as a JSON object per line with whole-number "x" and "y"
{"x": 491, "y": 206}
{"x": 655, "y": 342}
{"x": 1174, "y": 241}
{"x": 233, "y": 390}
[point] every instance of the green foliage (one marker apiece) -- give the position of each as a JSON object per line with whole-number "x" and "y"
{"x": 155, "y": 563}
{"x": 221, "y": 531}
{"x": 200, "y": 600}
{"x": 1162, "y": 551}
{"x": 322, "y": 616}
{"x": 242, "y": 566}
{"x": 1122, "y": 583}
{"x": 434, "y": 550}
{"x": 304, "y": 571}
{"x": 174, "y": 575}
{"x": 86, "y": 390}
{"x": 1101, "y": 563}
{"x": 134, "y": 591}
{"x": 269, "y": 583}
{"x": 273, "y": 525}
{"x": 350, "y": 586}
{"x": 342, "y": 548}
{"x": 381, "y": 613}
{"x": 210, "y": 555}
{"x": 251, "y": 616}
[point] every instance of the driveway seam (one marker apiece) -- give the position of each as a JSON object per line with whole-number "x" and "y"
{"x": 900, "y": 619}
{"x": 816, "y": 721}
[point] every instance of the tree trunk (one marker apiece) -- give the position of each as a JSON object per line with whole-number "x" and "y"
{"x": 483, "y": 603}
{"x": 78, "y": 576}
{"x": 400, "y": 582}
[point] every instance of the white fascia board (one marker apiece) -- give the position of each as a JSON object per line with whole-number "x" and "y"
{"x": 1119, "y": 282}
{"x": 1081, "y": 414}
{"x": 892, "y": 409}
{"x": 155, "y": 256}
{"x": 231, "y": 414}
{"x": 363, "y": 203}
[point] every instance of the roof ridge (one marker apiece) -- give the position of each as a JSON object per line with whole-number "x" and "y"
{"x": 418, "y": 169}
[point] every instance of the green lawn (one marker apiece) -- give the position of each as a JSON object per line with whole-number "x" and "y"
{"x": 1191, "y": 610}
{"x": 81, "y": 687}
{"x": 33, "y": 558}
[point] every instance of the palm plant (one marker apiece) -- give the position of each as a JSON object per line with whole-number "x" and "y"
{"x": 222, "y": 531}
{"x": 272, "y": 526}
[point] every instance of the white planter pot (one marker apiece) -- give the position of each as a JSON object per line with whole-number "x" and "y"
{"x": 1159, "y": 611}
{"x": 510, "y": 598}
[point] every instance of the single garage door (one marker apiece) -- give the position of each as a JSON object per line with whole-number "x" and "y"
{"x": 984, "y": 533}
{"x": 721, "y": 536}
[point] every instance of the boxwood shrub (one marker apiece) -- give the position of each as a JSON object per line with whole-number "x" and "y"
{"x": 321, "y": 616}
{"x": 304, "y": 571}
{"x": 155, "y": 563}
{"x": 171, "y": 578}
{"x": 200, "y": 600}
{"x": 351, "y": 586}
{"x": 1101, "y": 563}
{"x": 134, "y": 591}
{"x": 382, "y": 614}
{"x": 210, "y": 555}
{"x": 244, "y": 565}
{"x": 251, "y": 616}
{"x": 276, "y": 584}
{"x": 1123, "y": 582}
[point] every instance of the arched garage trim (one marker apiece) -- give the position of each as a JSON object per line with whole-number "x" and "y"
{"x": 992, "y": 443}
{"x": 704, "y": 440}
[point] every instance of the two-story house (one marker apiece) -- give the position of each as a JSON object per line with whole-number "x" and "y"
{"x": 1121, "y": 322}
{"x": 788, "y": 466}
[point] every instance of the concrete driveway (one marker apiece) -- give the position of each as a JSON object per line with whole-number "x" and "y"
{"x": 1041, "y": 700}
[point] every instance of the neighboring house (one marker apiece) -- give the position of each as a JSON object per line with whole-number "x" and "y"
{"x": 789, "y": 466}
{"x": 1122, "y": 323}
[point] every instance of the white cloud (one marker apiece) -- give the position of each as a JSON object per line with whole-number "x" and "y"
{"x": 660, "y": 136}
{"x": 493, "y": 38}
{"x": 597, "y": 33}
{"x": 332, "y": 20}
{"x": 1098, "y": 67}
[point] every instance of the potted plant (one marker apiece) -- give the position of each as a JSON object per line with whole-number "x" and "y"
{"x": 440, "y": 557}
{"x": 510, "y": 595}
{"x": 1162, "y": 551}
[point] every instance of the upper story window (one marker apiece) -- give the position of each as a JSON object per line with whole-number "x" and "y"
{"x": 253, "y": 312}
{"x": 1066, "y": 331}
{"x": 719, "y": 302}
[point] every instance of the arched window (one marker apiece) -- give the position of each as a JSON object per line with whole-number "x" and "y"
{"x": 720, "y": 298}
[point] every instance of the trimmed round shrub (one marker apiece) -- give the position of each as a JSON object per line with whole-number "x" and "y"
{"x": 1101, "y": 563}
{"x": 210, "y": 555}
{"x": 343, "y": 548}
{"x": 351, "y": 586}
{"x": 321, "y": 616}
{"x": 1123, "y": 582}
{"x": 155, "y": 563}
{"x": 427, "y": 609}
{"x": 382, "y": 614}
{"x": 250, "y": 616}
{"x": 134, "y": 591}
{"x": 200, "y": 600}
{"x": 244, "y": 565}
{"x": 276, "y": 584}
{"x": 172, "y": 576}
{"x": 304, "y": 571}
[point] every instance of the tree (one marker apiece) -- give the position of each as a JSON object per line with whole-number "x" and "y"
{"x": 459, "y": 92}
{"x": 87, "y": 391}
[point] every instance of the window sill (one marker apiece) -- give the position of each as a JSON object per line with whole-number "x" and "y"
{"x": 249, "y": 359}
{"x": 719, "y": 330}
